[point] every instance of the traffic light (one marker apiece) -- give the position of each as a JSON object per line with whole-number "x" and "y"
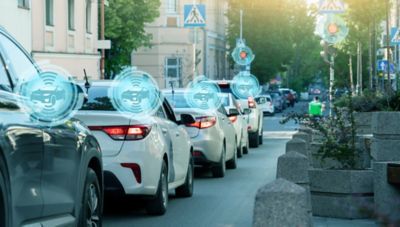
{"x": 243, "y": 55}
{"x": 198, "y": 58}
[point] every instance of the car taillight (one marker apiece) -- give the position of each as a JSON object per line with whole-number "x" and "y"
{"x": 203, "y": 122}
{"x": 233, "y": 118}
{"x": 131, "y": 132}
{"x": 251, "y": 102}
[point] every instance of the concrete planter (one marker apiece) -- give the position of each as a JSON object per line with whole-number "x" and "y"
{"x": 363, "y": 122}
{"x": 341, "y": 193}
{"x": 386, "y": 142}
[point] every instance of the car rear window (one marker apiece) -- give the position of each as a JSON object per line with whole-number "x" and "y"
{"x": 98, "y": 99}
{"x": 177, "y": 100}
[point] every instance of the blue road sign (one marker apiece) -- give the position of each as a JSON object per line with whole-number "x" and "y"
{"x": 395, "y": 36}
{"x": 383, "y": 64}
{"x": 194, "y": 15}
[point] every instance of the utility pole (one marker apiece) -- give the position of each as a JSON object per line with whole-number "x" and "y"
{"x": 331, "y": 81}
{"x": 241, "y": 24}
{"x": 103, "y": 53}
{"x": 388, "y": 83}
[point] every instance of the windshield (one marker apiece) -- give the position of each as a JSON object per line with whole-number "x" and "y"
{"x": 177, "y": 101}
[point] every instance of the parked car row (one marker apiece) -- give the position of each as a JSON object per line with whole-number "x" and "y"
{"x": 275, "y": 101}
{"x": 58, "y": 174}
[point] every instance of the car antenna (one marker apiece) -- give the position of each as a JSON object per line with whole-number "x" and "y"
{"x": 87, "y": 84}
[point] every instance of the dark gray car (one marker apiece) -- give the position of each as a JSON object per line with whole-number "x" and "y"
{"x": 49, "y": 176}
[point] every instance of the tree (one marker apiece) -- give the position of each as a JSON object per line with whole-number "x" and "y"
{"x": 281, "y": 33}
{"x": 124, "y": 26}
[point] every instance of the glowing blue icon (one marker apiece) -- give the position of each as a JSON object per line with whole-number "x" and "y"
{"x": 203, "y": 94}
{"x": 245, "y": 85}
{"x": 51, "y": 98}
{"x": 135, "y": 94}
{"x": 243, "y": 55}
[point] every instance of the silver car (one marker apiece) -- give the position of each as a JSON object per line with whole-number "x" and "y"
{"x": 213, "y": 135}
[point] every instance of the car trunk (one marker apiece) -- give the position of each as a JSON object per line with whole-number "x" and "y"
{"x": 192, "y": 131}
{"x": 109, "y": 147}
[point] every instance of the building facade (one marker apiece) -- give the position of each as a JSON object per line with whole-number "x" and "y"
{"x": 177, "y": 52}
{"x": 15, "y": 17}
{"x": 64, "y": 33}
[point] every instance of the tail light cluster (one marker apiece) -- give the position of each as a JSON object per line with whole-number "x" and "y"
{"x": 233, "y": 119}
{"x": 203, "y": 122}
{"x": 126, "y": 132}
{"x": 251, "y": 102}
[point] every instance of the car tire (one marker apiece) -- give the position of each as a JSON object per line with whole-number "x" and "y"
{"x": 232, "y": 164}
{"x": 158, "y": 205}
{"x": 218, "y": 171}
{"x": 246, "y": 148}
{"x": 240, "y": 150}
{"x": 5, "y": 195}
{"x": 254, "y": 139}
{"x": 92, "y": 202}
{"x": 186, "y": 190}
{"x": 260, "y": 137}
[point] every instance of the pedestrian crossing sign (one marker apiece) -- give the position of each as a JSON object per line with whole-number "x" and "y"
{"x": 395, "y": 36}
{"x": 331, "y": 6}
{"x": 194, "y": 15}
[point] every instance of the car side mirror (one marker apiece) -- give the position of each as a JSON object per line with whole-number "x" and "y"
{"x": 246, "y": 111}
{"x": 187, "y": 119}
{"x": 233, "y": 112}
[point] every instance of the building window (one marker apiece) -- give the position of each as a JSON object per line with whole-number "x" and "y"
{"x": 71, "y": 14}
{"x": 173, "y": 69}
{"x": 49, "y": 13}
{"x": 172, "y": 6}
{"x": 89, "y": 16}
{"x": 23, "y": 4}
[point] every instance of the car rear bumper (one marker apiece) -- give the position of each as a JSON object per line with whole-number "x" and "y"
{"x": 209, "y": 146}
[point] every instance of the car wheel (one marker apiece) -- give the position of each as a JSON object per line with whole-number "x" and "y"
{"x": 254, "y": 139}
{"x": 232, "y": 164}
{"x": 5, "y": 214}
{"x": 158, "y": 205}
{"x": 218, "y": 171}
{"x": 260, "y": 137}
{"x": 246, "y": 148}
{"x": 91, "y": 213}
{"x": 186, "y": 190}
{"x": 240, "y": 150}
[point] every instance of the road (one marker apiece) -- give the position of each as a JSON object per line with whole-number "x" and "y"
{"x": 226, "y": 202}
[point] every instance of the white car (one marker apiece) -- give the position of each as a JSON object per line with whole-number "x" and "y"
{"x": 213, "y": 135}
{"x": 250, "y": 108}
{"x": 240, "y": 122}
{"x": 145, "y": 158}
{"x": 266, "y": 104}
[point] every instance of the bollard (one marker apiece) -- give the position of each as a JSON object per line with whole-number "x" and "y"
{"x": 293, "y": 167}
{"x": 297, "y": 145}
{"x": 281, "y": 204}
{"x": 304, "y": 136}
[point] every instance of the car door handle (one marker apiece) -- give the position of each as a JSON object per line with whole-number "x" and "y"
{"x": 177, "y": 134}
{"x": 164, "y": 130}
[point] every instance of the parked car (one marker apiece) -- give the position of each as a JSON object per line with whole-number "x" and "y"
{"x": 278, "y": 101}
{"x": 49, "y": 176}
{"x": 240, "y": 122}
{"x": 266, "y": 105}
{"x": 213, "y": 135}
{"x": 288, "y": 96}
{"x": 250, "y": 107}
{"x": 144, "y": 157}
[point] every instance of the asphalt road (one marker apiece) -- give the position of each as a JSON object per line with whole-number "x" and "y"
{"x": 223, "y": 202}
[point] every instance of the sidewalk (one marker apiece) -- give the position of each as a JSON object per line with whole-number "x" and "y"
{"x": 333, "y": 222}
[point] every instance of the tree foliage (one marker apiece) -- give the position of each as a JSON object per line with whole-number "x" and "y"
{"x": 281, "y": 33}
{"x": 124, "y": 26}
